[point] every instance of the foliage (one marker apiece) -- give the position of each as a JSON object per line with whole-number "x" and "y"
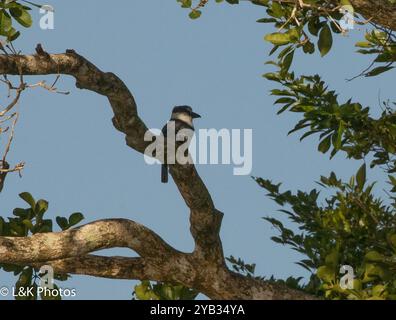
{"x": 352, "y": 228}
{"x": 238, "y": 265}
{"x": 313, "y": 26}
{"x": 383, "y": 44}
{"x": 341, "y": 126}
{"x": 248, "y": 270}
{"x": 349, "y": 227}
{"x": 14, "y": 12}
{"x": 147, "y": 290}
{"x": 27, "y": 222}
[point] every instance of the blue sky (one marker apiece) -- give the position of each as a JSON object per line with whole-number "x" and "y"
{"x": 77, "y": 161}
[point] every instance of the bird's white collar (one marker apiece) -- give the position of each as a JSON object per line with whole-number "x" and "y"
{"x": 186, "y": 118}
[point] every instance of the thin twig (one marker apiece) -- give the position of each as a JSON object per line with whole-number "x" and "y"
{"x": 11, "y": 137}
{"x": 13, "y": 103}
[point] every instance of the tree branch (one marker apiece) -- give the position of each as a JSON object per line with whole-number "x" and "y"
{"x": 204, "y": 218}
{"x": 103, "y": 234}
{"x": 104, "y": 267}
{"x": 204, "y": 269}
{"x": 5, "y": 166}
{"x": 382, "y": 12}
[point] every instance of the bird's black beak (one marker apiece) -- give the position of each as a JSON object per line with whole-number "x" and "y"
{"x": 195, "y": 115}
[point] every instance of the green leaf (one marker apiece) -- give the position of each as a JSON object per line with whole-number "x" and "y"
{"x": 278, "y": 38}
{"x": 284, "y": 52}
{"x": 62, "y": 223}
{"x": 378, "y": 290}
{"x": 11, "y": 3}
{"x": 301, "y": 264}
{"x": 331, "y": 259}
{"x": 17, "y": 229}
{"x": 266, "y": 20}
{"x": 361, "y": 177}
{"x": 13, "y": 35}
{"x": 43, "y": 227}
{"x": 345, "y": 3}
{"x": 21, "y": 213}
{"x": 363, "y": 44}
{"x": 287, "y": 61}
{"x": 144, "y": 291}
{"x": 309, "y": 47}
{"x": 272, "y": 76}
{"x": 259, "y": 2}
{"x": 325, "y": 40}
{"x": 384, "y": 57}
{"x": 294, "y": 34}
{"x": 285, "y": 100}
{"x": 195, "y": 14}
{"x": 75, "y": 218}
{"x": 372, "y": 271}
{"x": 273, "y": 50}
{"x": 371, "y": 51}
{"x": 391, "y": 239}
{"x": 41, "y": 207}
{"x": 314, "y": 26}
{"x": 22, "y": 16}
{"x": 28, "y": 224}
{"x": 338, "y": 137}
{"x": 5, "y": 22}
{"x": 374, "y": 256}
{"x": 276, "y": 10}
{"x": 307, "y": 134}
{"x": 185, "y": 3}
{"x": 324, "y": 145}
{"x": 27, "y": 197}
{"x": 326, "y": 274}
{"x": 378, "y": 70}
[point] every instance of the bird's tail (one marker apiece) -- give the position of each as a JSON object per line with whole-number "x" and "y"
{"x": 164, "y": 173}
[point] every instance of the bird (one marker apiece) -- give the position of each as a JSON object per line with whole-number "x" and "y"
{"x": 182, "y": 117}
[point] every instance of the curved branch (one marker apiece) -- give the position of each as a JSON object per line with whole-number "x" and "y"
{"x": 222, "y": 285}
{"x": 103, "y": 234}
{"x": 204, "y": 218}
{"x": 104, "y": 267}
{"x": 204, "y": 269}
